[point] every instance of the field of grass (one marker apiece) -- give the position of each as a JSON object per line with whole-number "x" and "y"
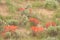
{"x": 29, "y": 20}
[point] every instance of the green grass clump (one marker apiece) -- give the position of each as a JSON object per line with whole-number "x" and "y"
{"x": 51, "y": 4}
{"x": 11, "y": 7}
{"x": 12, "y": 22}
{"x": 57, "y": 13}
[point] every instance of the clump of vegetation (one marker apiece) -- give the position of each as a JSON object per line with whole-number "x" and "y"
{"x": 51, "y": 4}
{"x": 12, "y": 8}
{"x": 12, "y": 22}
{"x": 56, "y": 16}
{"x": 52, "y": 31}
{"x": 27, "y": 24}
{"x": 57, "y": 13}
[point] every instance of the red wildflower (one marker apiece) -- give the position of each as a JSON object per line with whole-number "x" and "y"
{"x": 13, "y": 28}
{"x": 10, "y": 28}
{"x": 3, "y": 34}
{"x": 41, "y": 29}
{"x": 34, "y": 20}
{"x": 21, "y": 9}
{"x": 34, "y": 28}
{"x": 6, "y": 28}
{"x": 50, "y": 24}
{"x": 37, "y": 29}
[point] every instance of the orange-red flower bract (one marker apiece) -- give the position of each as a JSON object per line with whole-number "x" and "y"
{"x": 37, "y": 29}
{"x": 11, "y": 28}
{"x": 34, "y": 20}
{"x": 3, "y": 34}
{"x": 50, "y": 24}
{"x": 21, "y": 9}
{"x": 41, "y": 29}
{"x": 6, "y": 28}
{"x": 34, "y": 28}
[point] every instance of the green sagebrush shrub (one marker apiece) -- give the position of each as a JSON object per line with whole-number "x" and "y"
{"x": 52, "y": 31}
{"x": 12, "y": 22}
{"x": 51, "y": 4}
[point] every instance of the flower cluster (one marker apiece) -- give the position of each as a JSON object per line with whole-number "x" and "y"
{"x": 50, "y": 24}
{"x": 41, "y": 29}
{"x": 34, "y": 20}
{"x": 11, "y": 28}
{"x": 21, "y": 9}
{"x": 37, "y": 29}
